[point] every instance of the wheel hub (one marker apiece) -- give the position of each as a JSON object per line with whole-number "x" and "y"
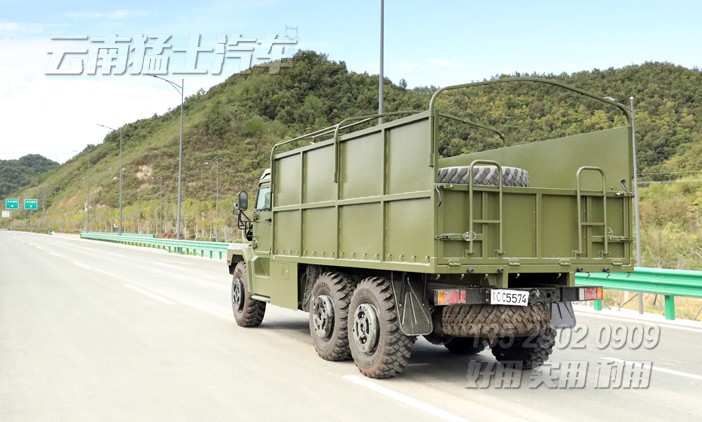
{"x": 323, "y": 316}
{"x": 238, "y": 294}
{"x": 365, "y": 327}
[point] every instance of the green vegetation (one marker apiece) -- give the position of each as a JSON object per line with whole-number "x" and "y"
{"x": 16, "y": 174}
{"x": 233, "y": 125}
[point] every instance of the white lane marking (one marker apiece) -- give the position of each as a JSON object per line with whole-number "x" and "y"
{"x": 55, "y": 254}
{"x": 118, "y": 255}
{"x": 40, "y": 248}
{"x": 640, "y": 321}
{"x": 434, "y": 411}
{"x": 659, "y": 369}
{"x": 147, "y": 293}
{"x": 82, "y": 265}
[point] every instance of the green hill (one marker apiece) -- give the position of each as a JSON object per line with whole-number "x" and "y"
{"x": 230, "y": 128}
{"x": 16, "y": 174}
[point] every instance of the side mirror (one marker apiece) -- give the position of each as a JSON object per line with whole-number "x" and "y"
{"x": 242, "y": 202}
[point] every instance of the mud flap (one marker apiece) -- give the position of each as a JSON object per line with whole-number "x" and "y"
{"x": 413, "y": 309}
{"x": 562, "y": 315}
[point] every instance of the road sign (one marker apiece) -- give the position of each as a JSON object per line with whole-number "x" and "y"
{"x": 6, "y": 214}
{"x": 12, "y": 203}
{"x": 30, "y": 204}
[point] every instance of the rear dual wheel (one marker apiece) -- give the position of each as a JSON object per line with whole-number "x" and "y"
{"x": 378, "y": 346}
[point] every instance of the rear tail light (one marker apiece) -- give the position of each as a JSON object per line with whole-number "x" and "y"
{"x": 449, "y": 296}
{"x": 590, "y": 293}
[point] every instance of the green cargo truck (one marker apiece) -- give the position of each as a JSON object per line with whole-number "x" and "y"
{"x": 381, "y": 239}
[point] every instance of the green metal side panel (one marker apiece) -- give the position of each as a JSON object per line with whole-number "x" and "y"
{"x": 362, "y": 167}
{"x": 520, "y": 237}
{"x": 409, "y": 231}
{"x": 353, "y": 246}
{"x": 318, "y": 178}
{"x": 319, "y": 232}
{"x": 287, "y": 189}
{"x": 287, "y": 233}
{"x": 409, "y": 152}
{"x": 558, "y": 228}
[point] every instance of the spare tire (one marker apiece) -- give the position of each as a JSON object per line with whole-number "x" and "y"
{"x": 485, "y": 176}
{"x": 493, "y": 321}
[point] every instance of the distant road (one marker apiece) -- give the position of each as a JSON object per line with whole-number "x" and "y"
{"x": 95, "y": 331}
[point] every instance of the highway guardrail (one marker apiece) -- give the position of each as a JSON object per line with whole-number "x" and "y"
{"x": 185, "y": 247}
{"x": 669, "y": 283}
{"x": 661, "y": 281}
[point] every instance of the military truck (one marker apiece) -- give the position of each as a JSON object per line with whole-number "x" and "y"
{"x": 366, "y": 227}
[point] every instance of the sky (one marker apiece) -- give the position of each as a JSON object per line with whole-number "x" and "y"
{"x": 45, "y": 111}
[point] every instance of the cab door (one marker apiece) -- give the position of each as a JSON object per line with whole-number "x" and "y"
{"x": 262, "y": 222}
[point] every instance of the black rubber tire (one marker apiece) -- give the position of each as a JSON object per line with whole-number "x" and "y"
{"x": 485, "y": 176}
{"x": 466, "y": 345}
{"x": 532, "y": 352}
{"x": 392, "y": 351}
{"x": 492, "y": 321}
{"x": 339, "y": 288}
{"x": 249, "y": 313}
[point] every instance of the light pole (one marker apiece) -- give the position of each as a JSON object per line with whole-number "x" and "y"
{"x": 160, "y": 205}
{"x": 180, "y": 89}
{"x": 121, "y": 221}
{"x": 216, "y": 198}
{"x": 87, "y": 200}
{"x": 381, "y": 76}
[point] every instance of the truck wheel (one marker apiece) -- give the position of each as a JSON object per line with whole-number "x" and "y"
{"x": 378, "y": 347}
{"x": 531, "y": 351}
{"x": 329, "y": 310}
{"x": 466, "y": 345}
{"x": 248, "y": 312}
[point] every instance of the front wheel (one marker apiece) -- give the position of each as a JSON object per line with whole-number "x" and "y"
{"x": 378, "y": 346}
{"x": 248, "y": 312}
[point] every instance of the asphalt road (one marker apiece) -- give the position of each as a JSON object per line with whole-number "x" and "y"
{"x": 94, "y": 331}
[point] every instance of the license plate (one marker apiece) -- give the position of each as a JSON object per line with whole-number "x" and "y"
{"x": 509, "y": 297}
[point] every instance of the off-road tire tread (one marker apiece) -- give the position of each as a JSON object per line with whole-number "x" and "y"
{"x": 341, "y": 290}
{"x": 485, "y": 176}
{"x": 398, "y": 346}
{"x": 254, "y": 310}
{"x": 490, "y": 321}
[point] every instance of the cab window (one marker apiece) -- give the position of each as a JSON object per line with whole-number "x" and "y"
{"x": 263, "y": 201}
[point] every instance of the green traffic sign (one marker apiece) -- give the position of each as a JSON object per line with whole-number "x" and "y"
{"x": 31, "y": 204}
{"x": 12, "y": 204}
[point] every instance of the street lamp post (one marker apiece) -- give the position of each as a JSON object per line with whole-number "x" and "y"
{"x": 180, "y": 89}
{"x": 121, "y": 221}
{"x": 87, "y": 201}
{"x": 216, "y": 198}
{"x": 160, "y": 204}
{"x": 381, "y": 75}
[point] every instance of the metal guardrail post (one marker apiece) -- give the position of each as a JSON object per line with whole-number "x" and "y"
{"x": 669, "y": 307}
{"x": 597, "y": 305}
